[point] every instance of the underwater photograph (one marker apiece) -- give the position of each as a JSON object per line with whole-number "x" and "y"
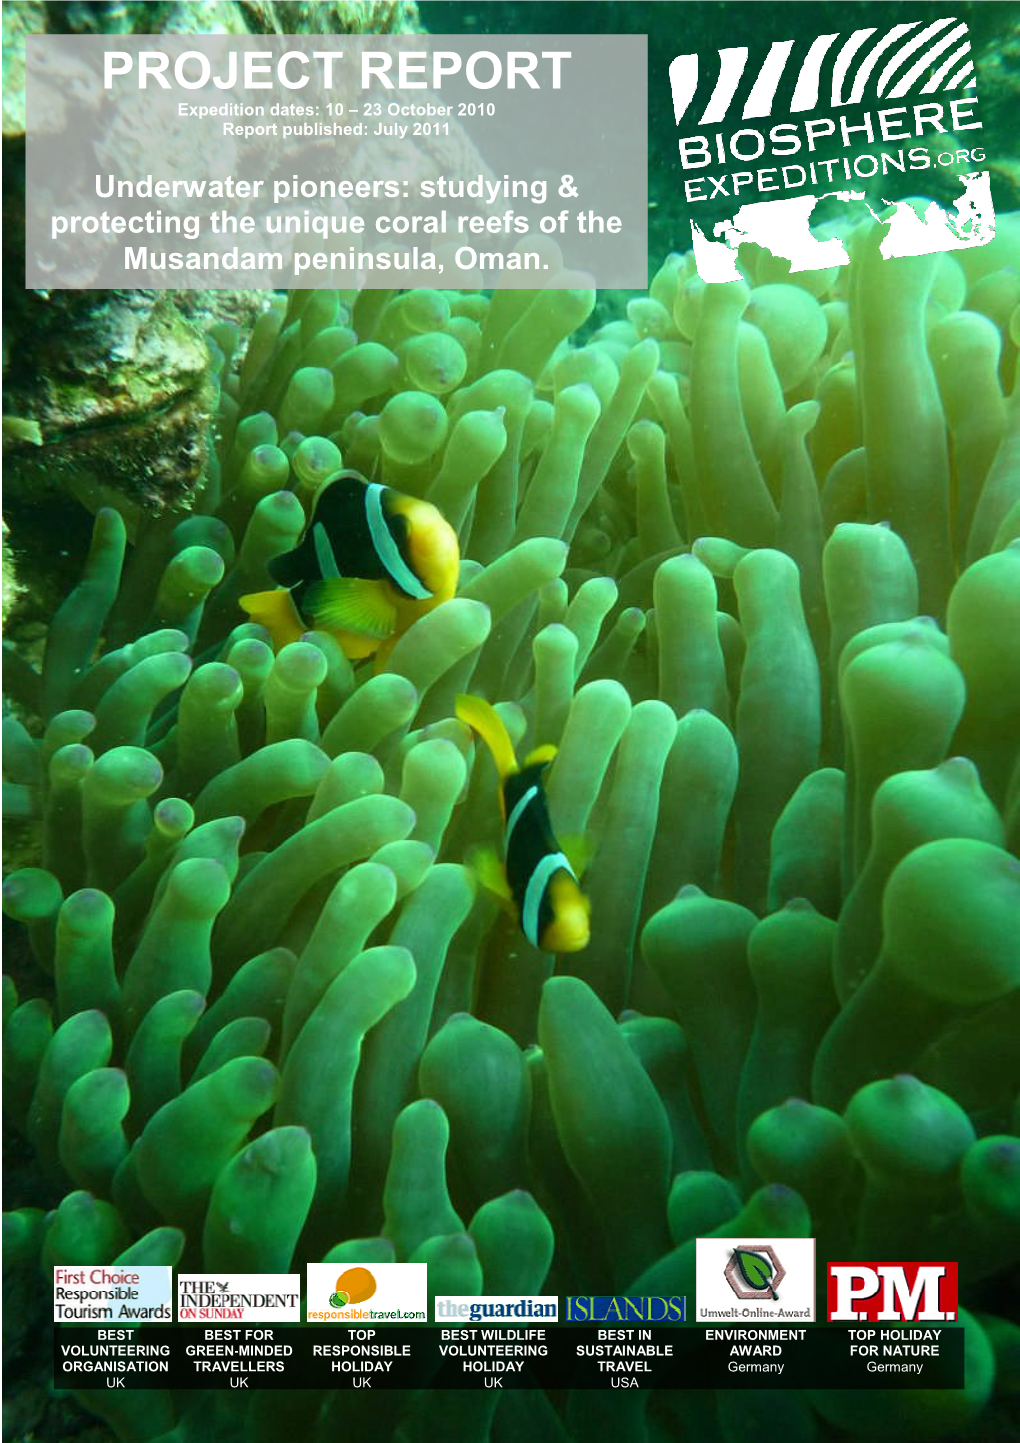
{"x": 522, "y": 780}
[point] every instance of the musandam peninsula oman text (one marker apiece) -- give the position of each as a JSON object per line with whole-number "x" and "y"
{"x": 277, "y": 999}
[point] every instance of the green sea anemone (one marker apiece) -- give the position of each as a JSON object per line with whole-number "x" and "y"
{"x": 273, "y": 1017}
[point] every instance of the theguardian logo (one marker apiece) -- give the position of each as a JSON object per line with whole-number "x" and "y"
{"x": 614, "y": 1309}
{"x": 892, "y": 1293}
{"x": 861, "y": 115}
{"x": 504, "y": 1309}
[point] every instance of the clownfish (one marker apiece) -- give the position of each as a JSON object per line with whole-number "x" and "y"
{"x": 538, "y": 881}
{"x": 370, "y": 562}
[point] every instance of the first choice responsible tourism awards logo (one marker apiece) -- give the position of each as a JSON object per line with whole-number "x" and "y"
{"x": 755, "y": 1281}
{"x": 117, "y": 1293}
{"x": 860, "y": 118}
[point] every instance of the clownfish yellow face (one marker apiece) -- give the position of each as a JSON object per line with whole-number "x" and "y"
{"x": 540, "y": 883}
{"x": 570, "y": 928}
{"x": 370, "y": 562}
{"x": 432, "y": 549}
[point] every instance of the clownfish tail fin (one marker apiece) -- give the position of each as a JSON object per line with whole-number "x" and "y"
{"x": 484, "y": 719}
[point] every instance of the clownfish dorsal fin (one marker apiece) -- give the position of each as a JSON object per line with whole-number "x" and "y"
{"x": 484, "y": 719}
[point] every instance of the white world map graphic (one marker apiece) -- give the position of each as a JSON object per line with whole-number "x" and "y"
{"x": 784, "y": 228}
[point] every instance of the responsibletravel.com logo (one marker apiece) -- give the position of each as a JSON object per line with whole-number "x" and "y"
{"x": 366, "y": 1293}
{"x": 859, "y": 117}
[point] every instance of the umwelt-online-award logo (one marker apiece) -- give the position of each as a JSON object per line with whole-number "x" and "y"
{"x": 754, "y": 1280}
{"x": 861, "y": 119}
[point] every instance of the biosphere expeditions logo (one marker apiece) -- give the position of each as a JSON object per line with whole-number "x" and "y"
{"x": 755, "y": 1280}
{"x": 863, "y": 118}
{"x": 366, "y": 1293}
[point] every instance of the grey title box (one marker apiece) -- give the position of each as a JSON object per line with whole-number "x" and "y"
{"x": 228, "y": 161}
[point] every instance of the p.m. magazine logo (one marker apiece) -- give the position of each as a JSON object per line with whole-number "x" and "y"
{"x": 865, "y": 118}
{"x": 367, "y": 1293}
{"x": 892, "y": 1292}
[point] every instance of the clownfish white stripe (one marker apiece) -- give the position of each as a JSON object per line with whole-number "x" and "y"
{"x": 386, "y": 547}
{"x": 324, "y": 554}
{"x": 535, "y": 891}
{"x": 518, "y": 812}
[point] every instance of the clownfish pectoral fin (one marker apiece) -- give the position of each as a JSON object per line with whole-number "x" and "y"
{"x": 485, "y": 720}
{"x": 275, "y": 610}
{"x": 342, "y": 603}
{"x": 490, "y": 874}
{"x": 540, "y": 756}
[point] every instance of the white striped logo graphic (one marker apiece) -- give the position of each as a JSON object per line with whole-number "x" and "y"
{"x": 835, "y": 71}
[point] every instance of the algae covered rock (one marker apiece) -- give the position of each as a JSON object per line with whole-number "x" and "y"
{"x": 118, "y": 385}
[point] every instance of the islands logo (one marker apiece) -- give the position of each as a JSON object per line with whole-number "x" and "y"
{"x": 755, "y": 1280}
{"x": 368, "y": 1292}
{"x": 621, "y": 1309}
{"x": 509, "y": 1309}
{"x": 892, "y": 1292}
{"x": 863, "y": 120}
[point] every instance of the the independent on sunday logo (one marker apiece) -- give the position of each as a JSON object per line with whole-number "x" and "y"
{"x": 238, "y": 1297}
{"x": 904, "y": 132}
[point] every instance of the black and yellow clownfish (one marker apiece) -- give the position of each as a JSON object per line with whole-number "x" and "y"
{"x": 539, "y": 883}
{"x": 370, "y": 562}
